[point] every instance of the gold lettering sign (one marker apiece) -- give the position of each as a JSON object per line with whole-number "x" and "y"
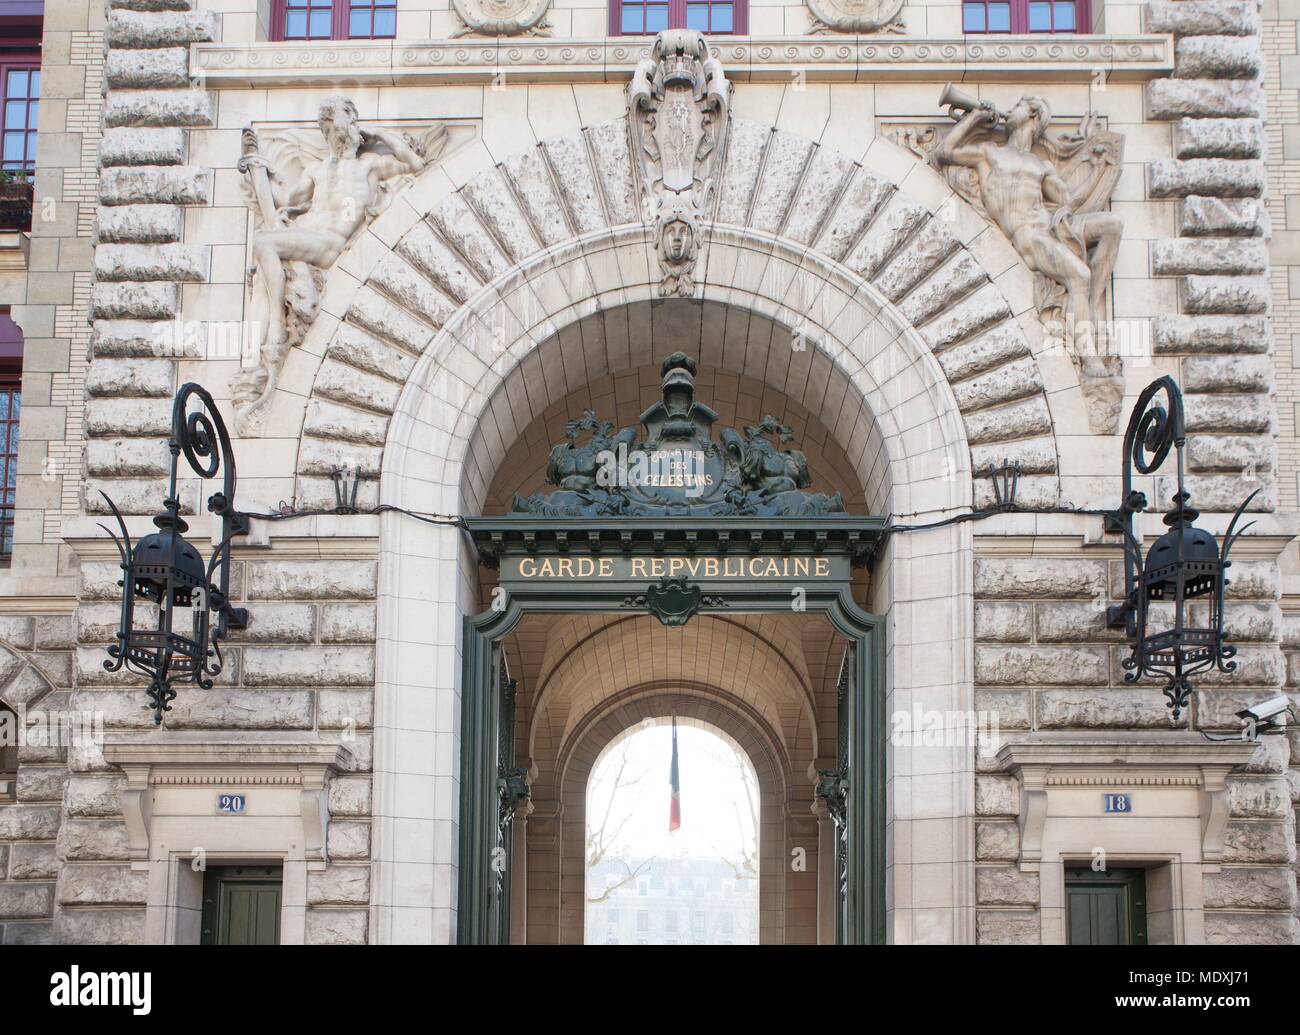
{"x": 654, "y": 568}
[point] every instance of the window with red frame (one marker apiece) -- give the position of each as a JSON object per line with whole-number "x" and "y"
{"x": 647, "y": 17}
{"x": 22, "y": 94}
{"x": 335, "y": 19}
{"x": 1024, "y": 16}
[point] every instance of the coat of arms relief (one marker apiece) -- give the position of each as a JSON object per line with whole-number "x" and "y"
{"x": 502, "y": 17}
{"x": 856, "y": 16}
{"x": 1046, "y": 189}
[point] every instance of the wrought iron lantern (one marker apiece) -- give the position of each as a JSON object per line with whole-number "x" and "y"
{"x": 1185, "y": 568}
{"x": 175, "y": 607}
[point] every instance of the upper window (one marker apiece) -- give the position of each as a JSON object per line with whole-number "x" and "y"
{"x": 1024, "y": 16}
{"x": 8, "y": 751}
{"x": 22, "y": 93}
{"x": 335, "y": 19}
{"x": 647, "y": 17}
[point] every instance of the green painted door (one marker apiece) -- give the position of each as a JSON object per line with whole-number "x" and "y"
{"x": 1107, "y": 908}
{"x": 241, "y": 905}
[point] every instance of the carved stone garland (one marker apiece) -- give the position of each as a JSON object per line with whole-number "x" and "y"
{"x": 679, "y": 100}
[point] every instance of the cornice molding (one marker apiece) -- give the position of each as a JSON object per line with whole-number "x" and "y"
{"x": 1131, "y": 58}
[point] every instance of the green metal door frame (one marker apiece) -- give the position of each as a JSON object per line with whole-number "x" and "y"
{"x": 843, "y": 541}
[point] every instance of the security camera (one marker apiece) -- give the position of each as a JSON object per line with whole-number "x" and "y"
{"x": 1266, "y": 711}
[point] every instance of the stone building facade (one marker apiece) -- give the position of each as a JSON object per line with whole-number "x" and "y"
{"x": 522, "y": 248}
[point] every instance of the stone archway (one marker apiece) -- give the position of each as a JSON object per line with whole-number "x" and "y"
{"x": 431, "y": 366}
{"x": 698, "y": 704}
{"x": 485, "y": 271}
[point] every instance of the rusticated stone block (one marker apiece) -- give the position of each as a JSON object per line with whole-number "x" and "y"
{"x": 997, "y": 841}
{"x": 1259, "y": 842}
{"x": 184, "y": 262}
{"x": 1250, "y": 887}
{"x": 311, "y": 580}
{"x": 1176, "y": 334}
{"x": 976, "y": 312}
{"x": 94, "y": 796}
{"x": 147, "y": 69}
{"x": 1250, "y": 929}
{"x": 1217, "y": 57}
{"x": 309, "y": 666}
{"x": 41, "y": 783}
{"x": 1034, "y": 455}
{"x": 1245, "y": 295}
{"x": 1223, "y": 217}
{"x": 996, "y": 795}
{"x": 1254, "y": 580}
{"x": 321, "y": 456}
{"x": 329, "y": 420}
{"x": 86, "y": 885}
{"x": 154, "y": 184}
{"x": 339, "y": 885}
{"x": 1003, "y": 710}
{"x": 1033, "y": 491}
{"x": 347, "y": 623}
{"x": 349, "y": 796}
{"x": 1074, "y": 623}
{"x": 1007, "y": 927}
{"x": 29, "y": 822}
{"x": 225, "y": 708}
{"x": 17, "y": 631}
{"x": 1024, "y": 578}
{"x": 158, "y": 108}
{"x": 1227, "y": 374}
{"x": 1172, "y": 257}
{"x": 1002, "y": 623}
{"x": 1219, "y": 138}
{"x": 349, "y": 840}
{"x": 1215, "y": 177}
{"x": 140, "y": 30}
{"x": 1204, "y": 98}
{"x": 1103, "y": 708}
{"x": 1041, "y": 666}
{"x": 53, "y": 632}
{"x": 317, "y": 493}
{"x": 1229, "y": 414}
{"x": 151, "y": 5}
{"x": 157, "y": 300}
{"x": 1000, "y": 344}
{"x": 134, "y": 495}
{"x": 94, "y": 840}
{"x": 124, "y": 145}
{"x": 132, "y": 457}
{"x": 354, "y": 387}
{"x": 1258, "y": 665}
{"x": 1005, "y": 886}
{"x": 130, "y": 417}
{"x": 30, "y": 861}
{"x": 344, "y": 709}
{"x": 337, "y": 926}
{"x": 26, "y": 901}
{"x": 279, "y": 623}
{"x": 1202, "y": 17}
{"x": 149, "y": 378}
{"x": 152, "y": 224}
{"x": 100, "y": 927}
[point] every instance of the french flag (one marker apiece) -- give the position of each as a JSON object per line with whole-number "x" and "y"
{"x": 674, "y": 781}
